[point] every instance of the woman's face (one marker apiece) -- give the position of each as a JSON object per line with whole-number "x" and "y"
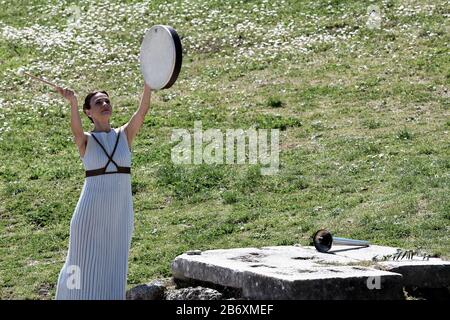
{"x": 101, "y": 109}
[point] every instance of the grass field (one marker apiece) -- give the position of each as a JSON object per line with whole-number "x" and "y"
{"x": 363, "y": 115}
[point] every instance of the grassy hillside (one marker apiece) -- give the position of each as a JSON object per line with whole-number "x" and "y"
{"x": 363, "y": 115}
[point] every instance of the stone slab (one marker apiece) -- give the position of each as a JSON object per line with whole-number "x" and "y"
{"x": 289, "y": 272}
{"x": 416, "y": 272}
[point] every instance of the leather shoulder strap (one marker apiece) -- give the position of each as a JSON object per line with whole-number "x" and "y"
{"x": 114, "y": 150}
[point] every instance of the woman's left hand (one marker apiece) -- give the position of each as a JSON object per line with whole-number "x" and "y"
{"x": 147, "y": 87}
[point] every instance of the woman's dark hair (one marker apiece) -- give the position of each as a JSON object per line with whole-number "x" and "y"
{"x": 87, "y": 101}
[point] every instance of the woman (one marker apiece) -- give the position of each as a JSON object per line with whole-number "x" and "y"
{"x": 102, "y": 224}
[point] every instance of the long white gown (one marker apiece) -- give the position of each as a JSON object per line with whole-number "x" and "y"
{"x": 96, "y": 265}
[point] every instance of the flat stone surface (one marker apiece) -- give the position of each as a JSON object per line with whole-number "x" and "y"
{"x": 289, "y": 272}
{"x": 432, "y": 273}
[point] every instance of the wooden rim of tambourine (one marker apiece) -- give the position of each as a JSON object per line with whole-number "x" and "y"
{"x": 176, "y": 63}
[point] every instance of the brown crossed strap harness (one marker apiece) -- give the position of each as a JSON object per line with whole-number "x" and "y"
{"x": 96, "y": 172}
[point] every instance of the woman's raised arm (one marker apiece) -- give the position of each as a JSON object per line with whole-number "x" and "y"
{"x": 75, "y": 119}
{"x": 132, "y": 127}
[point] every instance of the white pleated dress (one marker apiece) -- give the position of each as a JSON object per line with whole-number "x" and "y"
{"x": 96, "y": 265}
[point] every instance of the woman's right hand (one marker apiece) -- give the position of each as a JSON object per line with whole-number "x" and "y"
{"x": 68, "y": 94}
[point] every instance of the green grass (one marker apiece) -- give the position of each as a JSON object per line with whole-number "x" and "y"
{"x": 363, "y": 119}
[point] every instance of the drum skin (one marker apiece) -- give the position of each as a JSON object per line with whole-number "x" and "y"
{"x": 161, "y": 57}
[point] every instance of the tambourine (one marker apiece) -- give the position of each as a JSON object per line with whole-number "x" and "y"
{"x": 160, "y": 57}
